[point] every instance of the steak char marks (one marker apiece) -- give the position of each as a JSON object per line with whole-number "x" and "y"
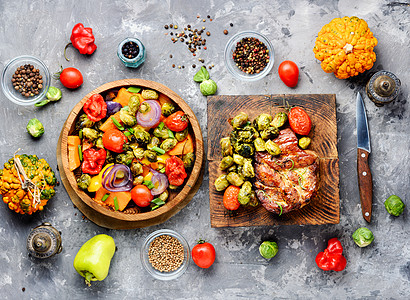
{"x": 289, "y": 181}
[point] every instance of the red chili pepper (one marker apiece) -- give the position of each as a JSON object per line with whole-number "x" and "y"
{"x": 95, "y": 108}
{"x": 82, "y": 38}
{"x": 332, "y": 258}
{"x": 93, "y": 161}
{"x": 175, "y": 170}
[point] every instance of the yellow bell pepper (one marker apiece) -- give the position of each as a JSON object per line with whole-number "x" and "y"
{"x": 96, "y": 181}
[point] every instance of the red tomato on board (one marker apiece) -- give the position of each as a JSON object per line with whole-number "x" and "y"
{"x": 289, "y": 73}
{"x": 178, "y": 121}
{"x": 114, "y": 140}
{"x": 230, "y": 198}
{"x": 203, "y": 254}
{"x": 141, "y": 195}
{"x": 299, "y": 121}
{"x": 71, "y": 78}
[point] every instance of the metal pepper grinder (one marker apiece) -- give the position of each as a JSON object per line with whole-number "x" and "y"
{"x": 44, "y": 241}
{"x": 383, "y": 87}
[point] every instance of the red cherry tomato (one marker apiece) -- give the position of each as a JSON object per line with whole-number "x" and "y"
{"x": 178, "y": 121}
{"x": 141, "y": 195}
{"x": 299, "y": 121}
{"x": 230, "y": 198}
{"x": 114, "y": 140}
{"x": 203, "y": 254}
{"x": 289, "y": 73}
{"x": 71, "y": 78}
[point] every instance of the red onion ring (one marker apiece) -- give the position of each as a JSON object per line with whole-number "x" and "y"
{"x": 151, "y": 118}
{"x": 158, "y": 179}
{"x": 110, "y": 175}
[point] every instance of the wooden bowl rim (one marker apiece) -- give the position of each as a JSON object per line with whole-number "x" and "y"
{"x": 176, "y": 203}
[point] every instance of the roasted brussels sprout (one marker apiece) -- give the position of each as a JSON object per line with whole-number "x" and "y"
{"x": 246, "y": 134}
{"x": 161, "y": 133}
{"x": 109, "y": 159}
{"x": 226, "y": 146}
{"x": 168, "y": 109}
{"x": 138, "y": 151}
{"x": 181, "y": 135}
{"x": 234, "y": 179}
{"x": 141, "y": 135}
{"x": 99, "y": 143}
{"x": 238, "y": 159}
{"x": 268, "y": 249}
{"x": 232, "y": 168}
{"x": 125, "y": 158}
{"x": 248, "y": 171}
{"x": 304, "y": 142}
{"x": 84, "y": 181}
{"x": 272, "y": 148}
{"x": 83, "y": 122}
{"x": 262, "y": 121}
{"x": 226, "y": 162}
{"x": 154, "y": 143}
{"x": 259, "y": 144}
{"x": 245, "y": 193}
{"x": 239, "y": 120}
{"x": 35, "y": 128}
{"x": 151, "y": 155}
{"x": 279, "y": 120}
{"x": 269, "y": 133}
{"x": 246, "y": 150}
{"x": 394, "y": 205}
{"x": 363, "y": 237}
{"x": 168, "y": 144}
{"x": 208, "y": 87}
{"x": 221, "y": 183}
{"x": 90, "y": 134}
{"x": 254, "y": 200}
{"x": 134, "y": 104}
{"x": 189, "y": 160}
{"x": 149, "y": 95}
{"x": 164, "y": 196}
{"x": 138, "y": 180}
{"x": 127, "y": 117}
{"x": 136, "y": 169}
{"x": 144, "y": 108}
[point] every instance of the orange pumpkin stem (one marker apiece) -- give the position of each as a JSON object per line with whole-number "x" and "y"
{"x": 348, "y": 48}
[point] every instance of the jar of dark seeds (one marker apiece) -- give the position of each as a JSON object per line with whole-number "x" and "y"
{"x": 131, "y": 52}
{"x": 166, "y": 253}
{"x": 27, "y": 80}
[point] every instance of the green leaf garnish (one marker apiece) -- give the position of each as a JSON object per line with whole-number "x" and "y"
{"x": 116, "y": 203}
{"x": 105, "y": 197}
{"x": 170, "y": 134}
{"x": 201, "y": 75}
{"x": 80, "y": 153}
{"x": 80, "y": 134}
{"x": 161, "y": 125}
{"x": 148, "y": 184}
{"x": 127, "y": 133}
{"x": 131, "y": 130}
{"x": 281, "y": 210}
{"x": 133, "y": 89}
{"x": 116, "y": 123}
{"x": 158, "y": 150}
{"x": 158, "y": 202}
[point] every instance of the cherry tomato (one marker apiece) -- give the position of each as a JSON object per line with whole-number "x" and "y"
{"x": 230, "y": 198}
{"x": 203, "y": 254}
{"x": 71, "y": 78}
{"x": 95, "y": 108}
{"x": 114, "y": 140}
{"x": 289, "y": 73}
{"x": 175, "y": 170}
{"x": 178, "y": 121}
{"x": 299, "y": 121}
{"x": 141, "y": 195}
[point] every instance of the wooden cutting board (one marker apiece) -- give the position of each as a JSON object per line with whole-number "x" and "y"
{"x": 324, "y": 208}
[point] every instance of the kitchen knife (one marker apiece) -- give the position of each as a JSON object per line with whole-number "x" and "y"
{"x": 363, "y": 151}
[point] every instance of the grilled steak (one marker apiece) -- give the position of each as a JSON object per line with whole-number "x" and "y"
{"x": 288, "y": 181}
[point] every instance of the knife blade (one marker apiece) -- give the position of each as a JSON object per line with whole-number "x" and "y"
{"x": 363, "y": 150}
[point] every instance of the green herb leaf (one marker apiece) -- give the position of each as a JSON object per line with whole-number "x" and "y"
{"x": 201, "y": 75}
{"x": 157, "y": 201}
{"x": 132, "y": 131}
{"x": 133, "y": 89}
{"x": 80, "y": 134}
{"x": 162, "y": 170}
{"x": 148, "y": 184}
{"x": 80, "y": 153}
{"x": 127, "y": 133}
{"x": 105, "y": 197}
{"x": 158, "y": 150}
{"x": 116, "y": 203}
{"x": 154, "y": 207}
{"x": 116, "y": 123}
{"x": 42, "y": 103}
{"x": 170, "y": 134}
{"x": 161, "y": 125}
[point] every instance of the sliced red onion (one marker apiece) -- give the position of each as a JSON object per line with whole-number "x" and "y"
{"x": 158, "y": 179}
{"x": 110, "y": 175}
{"x": 151, "y": 118}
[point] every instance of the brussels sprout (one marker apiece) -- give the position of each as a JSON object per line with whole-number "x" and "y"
{"x": 90, "y": 134}
{"x": 144, "y": 108}
{"x": 136, "y": 169}
{"x": 164, "y": 196}
{"x": 268, "y": 249}
{"x": 141, "y": 135}
{"x": 226, "y": 162}
{"x": 99, "y": 143}
{"x": 149, "y": 95}
{"x": 246, "y": 134}
{"x": 208, "y": 87}
{"x": 279, "y": 120}
{"x": 138, "y": 180}
{"x": 139, "y": 153}
{"x": 234, "y": 179}
{"x": 125, "y": 158}
{"x": 134, "y": 104}
{"x": 154, "y": 143}
{"x": 232, "y": 168}
{"x": 35, "y": 128}
{"x": 259, "y": 144}
{"x": 127, "y": 118}
{"x": 221, "y": 183}
{"x": 54, "y": 94}
{"x": 83, "y": 122}
{"x": 181, "y": 135}
{"x": 238, "y": 159}
{"x": 245, "y": 193}
{"x": 151, "y": 155}
{"x": 246, "y": 150}
{"x": 189, "y": 160}
{"x": 168, "y": 144}
{"x": 394, "y": 205}
{"x": 84, "y": 181}
{"x": 363, "y": 237}
{"x": 168, "y": 109}
{"x": 304, "y": 142}
{"x": 269, "y": 133}
{"x": 161, "y": 133}
{"x": 248, "y": 170}
{"x": 272, "y": 148}
{"x": 109, "y": 159}
{"x": 262, "y": 121}
{"x": 254, "y": 200}
{"x": 226, "y": 146}
{"x": 239, "y": 120}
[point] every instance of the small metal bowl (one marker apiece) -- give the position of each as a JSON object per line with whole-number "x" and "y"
{"x": 231, "y": 65}
{"x": 145, "y": 259}
{"x": 8, "y": 88}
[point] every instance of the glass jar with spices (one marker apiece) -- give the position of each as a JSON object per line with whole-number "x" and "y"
{"x": 131, "y": 52}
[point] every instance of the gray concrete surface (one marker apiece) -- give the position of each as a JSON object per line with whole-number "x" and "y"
{"x": 380, "y": 271}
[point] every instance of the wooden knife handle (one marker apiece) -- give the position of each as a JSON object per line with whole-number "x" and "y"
{"x": 365, "y": 183}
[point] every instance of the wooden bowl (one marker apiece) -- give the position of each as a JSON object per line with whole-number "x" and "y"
{"x": 130, "y": 219}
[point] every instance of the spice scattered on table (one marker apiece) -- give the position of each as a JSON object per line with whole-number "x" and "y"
{"x": 251, "y": 55}
{"x": 166, "y": 253}
{"x": 130, "y": 50}
{"x": 27, "y": 80}
{"x": 225, "y": 32}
